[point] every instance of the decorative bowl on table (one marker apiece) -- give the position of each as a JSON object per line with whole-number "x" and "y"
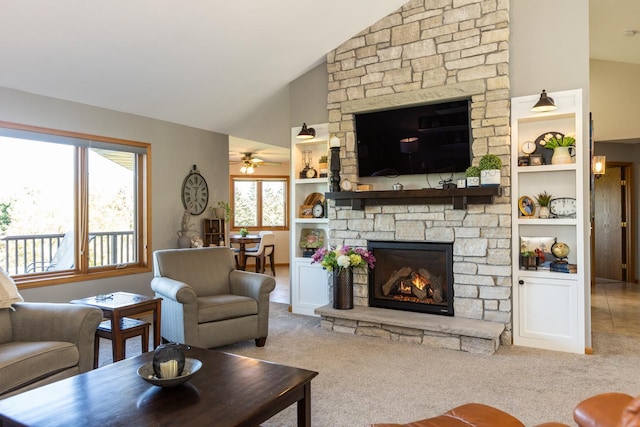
{"x": 191, "y": 367}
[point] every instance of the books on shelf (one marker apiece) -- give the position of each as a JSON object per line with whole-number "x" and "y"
{"x": 563, "y": 267}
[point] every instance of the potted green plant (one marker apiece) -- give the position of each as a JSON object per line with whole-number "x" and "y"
{"x": 529, "y": 259}
{"x": 490, "y": 166}
{"x": 544, "y": 199}
{"x": 244, "y": 232}
{"x": 222, "y": 211}
{"x": 560, "y": 145}
{"x": 323, "y": 165}
{"x": 473, "y": 176}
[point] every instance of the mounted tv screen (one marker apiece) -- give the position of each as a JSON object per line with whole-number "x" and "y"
{"x": 433, "y": 138}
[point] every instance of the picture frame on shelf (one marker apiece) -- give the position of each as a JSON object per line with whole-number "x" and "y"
{"x": 536, "y": 160}
{"x": 541, "y": 246}
{"x": 306, "y": 211}
{"x": 523, "y": 161}
{"x": 526, "y": 206}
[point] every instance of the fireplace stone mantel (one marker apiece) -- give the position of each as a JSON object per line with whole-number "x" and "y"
{"x": 458, "y": 197}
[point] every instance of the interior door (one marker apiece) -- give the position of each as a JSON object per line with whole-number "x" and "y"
{"x": 609, "y": 221}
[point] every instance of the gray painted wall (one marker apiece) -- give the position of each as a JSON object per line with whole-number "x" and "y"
{"x": 175, "y": 149}
{"x": 308, "y": 97}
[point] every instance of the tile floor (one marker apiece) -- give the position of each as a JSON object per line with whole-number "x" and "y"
{"x": 615, "y": 307}
{"x": 281, "y": 292}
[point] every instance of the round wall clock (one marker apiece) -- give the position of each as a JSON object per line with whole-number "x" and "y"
{"x": 195, "y": 192}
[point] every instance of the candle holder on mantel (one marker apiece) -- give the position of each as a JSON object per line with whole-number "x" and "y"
{"x": 334, "y": 145}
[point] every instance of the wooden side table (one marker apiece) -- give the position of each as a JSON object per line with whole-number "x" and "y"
{"x": 118, "y": 305}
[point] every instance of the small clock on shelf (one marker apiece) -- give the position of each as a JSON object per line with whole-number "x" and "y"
{"x": 311, "y": 173}
{"x": 563, "y": 207}
{"x": 346, "y": 185}
{"x": 528, "y": 147}
{"x": 318, "y": 210}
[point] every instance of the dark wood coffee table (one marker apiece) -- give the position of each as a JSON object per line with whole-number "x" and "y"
{"x": 228, "y": 390}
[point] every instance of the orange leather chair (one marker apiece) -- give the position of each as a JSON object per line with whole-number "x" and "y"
{"x": 602, "y": 410}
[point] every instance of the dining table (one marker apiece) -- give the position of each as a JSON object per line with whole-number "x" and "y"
{"x": 242, "y": 242}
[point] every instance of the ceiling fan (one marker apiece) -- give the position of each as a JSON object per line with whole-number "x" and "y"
{"x": 250, "y": 163}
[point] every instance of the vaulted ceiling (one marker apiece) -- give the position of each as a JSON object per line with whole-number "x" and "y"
{"x": 207, "y": 63}
{"x": 201, "y": 63}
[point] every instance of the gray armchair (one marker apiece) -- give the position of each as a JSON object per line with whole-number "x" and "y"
{"x": 44, "y": 342}
{"x": 206, "y": 302}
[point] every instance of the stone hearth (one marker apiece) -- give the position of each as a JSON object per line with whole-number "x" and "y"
{"x": 454, "y": 333}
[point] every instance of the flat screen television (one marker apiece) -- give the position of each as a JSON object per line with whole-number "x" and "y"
{"x": 422, "y": 139}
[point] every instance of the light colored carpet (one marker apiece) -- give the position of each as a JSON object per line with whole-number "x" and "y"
{"x": 365, "y": 380}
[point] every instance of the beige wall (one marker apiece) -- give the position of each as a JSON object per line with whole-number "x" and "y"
{"x": 174, "y": 148}
{"x": 615, "y": 91}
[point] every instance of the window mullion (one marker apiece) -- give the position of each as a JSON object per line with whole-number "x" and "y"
{"x": 259, "y": 207}
{"x": 82, "y": 210}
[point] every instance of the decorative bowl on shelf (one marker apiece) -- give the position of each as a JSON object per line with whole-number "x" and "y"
{"x": 191, "y": 367}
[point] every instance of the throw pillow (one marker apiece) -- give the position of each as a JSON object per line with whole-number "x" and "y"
{"x": 8, "y": 290}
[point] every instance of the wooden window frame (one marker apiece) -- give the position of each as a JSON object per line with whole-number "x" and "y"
{"x": 143, "y": 211}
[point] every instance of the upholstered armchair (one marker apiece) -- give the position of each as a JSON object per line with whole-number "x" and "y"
{"x": 44, "y": 342}
{"x": 206, "y": 302}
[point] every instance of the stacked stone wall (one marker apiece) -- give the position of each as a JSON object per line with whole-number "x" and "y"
{"x": 432, "y": 51}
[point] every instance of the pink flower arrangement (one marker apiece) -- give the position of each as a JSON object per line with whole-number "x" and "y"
{"x": 343, "y": 257}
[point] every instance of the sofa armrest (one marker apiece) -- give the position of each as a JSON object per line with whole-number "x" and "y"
{"x": 250, "y": 284}
{"x": 631, "y": 414}
{"x": 72, "y": 323}
{"x": 601, "y": 410}
{"x": 174, "y": 290}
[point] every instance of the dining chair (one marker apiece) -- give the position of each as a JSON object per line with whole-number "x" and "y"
{"x": 265, "y": 249}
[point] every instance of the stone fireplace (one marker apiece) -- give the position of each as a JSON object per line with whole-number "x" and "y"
{"x": 412, "y": 276}
{"x": 427, "y": 52}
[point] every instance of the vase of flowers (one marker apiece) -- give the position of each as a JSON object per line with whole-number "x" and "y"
{"x": 561, "y": 146}
{"x": 341, "y": 261}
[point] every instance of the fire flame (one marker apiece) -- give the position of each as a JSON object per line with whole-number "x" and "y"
{"x": 419, "y": 282}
